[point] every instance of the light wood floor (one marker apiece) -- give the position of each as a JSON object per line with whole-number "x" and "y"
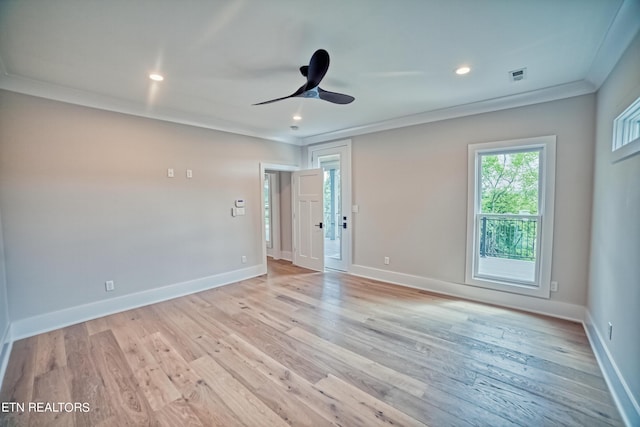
{"x": 310, "y": 349}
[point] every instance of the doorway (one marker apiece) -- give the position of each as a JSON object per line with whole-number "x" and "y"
{"x": 276, "y": 224}
{"x": 335, "y": 161}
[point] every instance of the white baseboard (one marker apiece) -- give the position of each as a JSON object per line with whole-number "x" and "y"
{"x": 547, "y": 307}
{"x": 628, "y": 406}
{"x": 46, "y": 322}
{"x": 5, "y": 351}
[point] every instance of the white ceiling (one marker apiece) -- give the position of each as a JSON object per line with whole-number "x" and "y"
{"x": 396, "y": 57}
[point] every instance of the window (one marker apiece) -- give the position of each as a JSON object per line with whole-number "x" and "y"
{"x": 626, "y": 132}
{"x": 266, "y": 192}
{"x": 510, "y": 215}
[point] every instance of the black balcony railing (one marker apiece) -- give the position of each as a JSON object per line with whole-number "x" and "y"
{"x": 508, "y": 237}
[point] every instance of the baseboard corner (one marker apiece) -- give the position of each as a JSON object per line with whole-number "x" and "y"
{"x": 6, "y": 343}
{"x": 627, "y": 405}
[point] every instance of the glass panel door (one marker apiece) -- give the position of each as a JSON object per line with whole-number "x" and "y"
{"x": 332, "y": 207}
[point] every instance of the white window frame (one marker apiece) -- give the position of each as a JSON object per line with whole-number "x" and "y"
{"x": 626, "y": 133}
{"x": 547, "y": 147}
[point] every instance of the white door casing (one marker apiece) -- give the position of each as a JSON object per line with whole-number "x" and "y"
{"x": 341, "y": 150}
{"x": 308, "y": 232}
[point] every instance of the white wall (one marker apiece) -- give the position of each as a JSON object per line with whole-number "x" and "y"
{"x": 614, "y": 285}
{"x": 85, "y": 198}
{"x": 4, "y": 304}
{"x": 411, "y": 188}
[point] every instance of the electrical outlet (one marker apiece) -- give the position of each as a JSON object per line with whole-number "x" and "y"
{"x": 386, "y": 260}
{"x": 109, "y": 286}
{"x": 610, "y": 330}
{"x": 170, "y": 173}
{"x": 244, "y": 259}
{"x": 189, "y": 173}
{"x": 554, "y": 286}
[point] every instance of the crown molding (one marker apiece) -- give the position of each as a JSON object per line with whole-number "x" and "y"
{"x": 553, "y": 93}
{"x": 623, "y": 29}
{"x": 84, "y": 98}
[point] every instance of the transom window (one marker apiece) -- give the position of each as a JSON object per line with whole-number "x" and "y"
{"x": 626, "y": 132}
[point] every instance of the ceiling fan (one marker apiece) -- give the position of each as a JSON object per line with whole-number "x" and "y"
{"x": 314, "y": 72}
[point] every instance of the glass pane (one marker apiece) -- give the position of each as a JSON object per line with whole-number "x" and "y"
{"x": 507, "y": 225}
{"x": 332, "y": 206}
{"x": 267, "y": 208}
{"x": 507, "y": 248}
{"x": 510, "y": 183}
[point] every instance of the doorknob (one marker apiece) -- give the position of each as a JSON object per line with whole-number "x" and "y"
{"x": 319, "y": 225}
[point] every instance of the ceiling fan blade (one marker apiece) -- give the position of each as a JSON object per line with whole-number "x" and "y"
{"x": 294, "y": 94}
{"x": 273, "y": 100}
{"x": 336, "y": 98}
{"x": 318, "y": 67}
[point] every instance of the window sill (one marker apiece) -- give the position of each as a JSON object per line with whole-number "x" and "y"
{"x": 514, "y": 288}
{"x": 630, "y": 149}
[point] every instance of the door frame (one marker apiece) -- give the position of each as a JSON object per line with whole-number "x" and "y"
{"x": 275, "y": 167}
{"x": 346, "y": 194}
{"x": 274, "y": 195}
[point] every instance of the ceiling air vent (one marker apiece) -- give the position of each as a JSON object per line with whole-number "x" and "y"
{"x": 517, "y": 75}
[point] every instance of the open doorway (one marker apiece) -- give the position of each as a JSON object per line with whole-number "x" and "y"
{"x": 275, "y": 187}
{"x": 277, "y": 214}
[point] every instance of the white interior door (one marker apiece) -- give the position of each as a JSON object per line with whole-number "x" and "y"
{"x": 308, "y": 227}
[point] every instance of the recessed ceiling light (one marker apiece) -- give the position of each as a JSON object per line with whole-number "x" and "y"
{"x": 297, "y": 117}
{"x": 463, "y": 70}
{"x": 156, "y": 77}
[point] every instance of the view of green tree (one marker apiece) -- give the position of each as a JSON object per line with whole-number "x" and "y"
{"x": 510, "y": 182}
{"x": 330, "y": 220}
{"x": 509, "y": 186}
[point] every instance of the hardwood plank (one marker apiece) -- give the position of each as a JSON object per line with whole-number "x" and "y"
{"x": 124, "y": 393}
{"x": 51, "y": 383}
{"x": 178, "y": 413}
{"x": 17, "y": 388}
{"x": 240, "y": 400}
{"x": 242, "y": 368}
{"x": 279, "y": 346}
{"x": 305, "y": 348}
{"x": 443, "y": 404}
{"x": 156, "y": 387}
{"x": 365, "y": 410}
{"x": 50, "y": 352}
{"x": 172, "y": 364}
{"x": 132, "y": 344}
{"x": 153, "y": 321}
{"x": 398, "y": 379}
{"x": 331, "y": 409}
{"x": 208, "y": 406}
{"x": 86, "y": 384}
{"x": 18, "y": 382}
{"x": 95, "y": 326}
